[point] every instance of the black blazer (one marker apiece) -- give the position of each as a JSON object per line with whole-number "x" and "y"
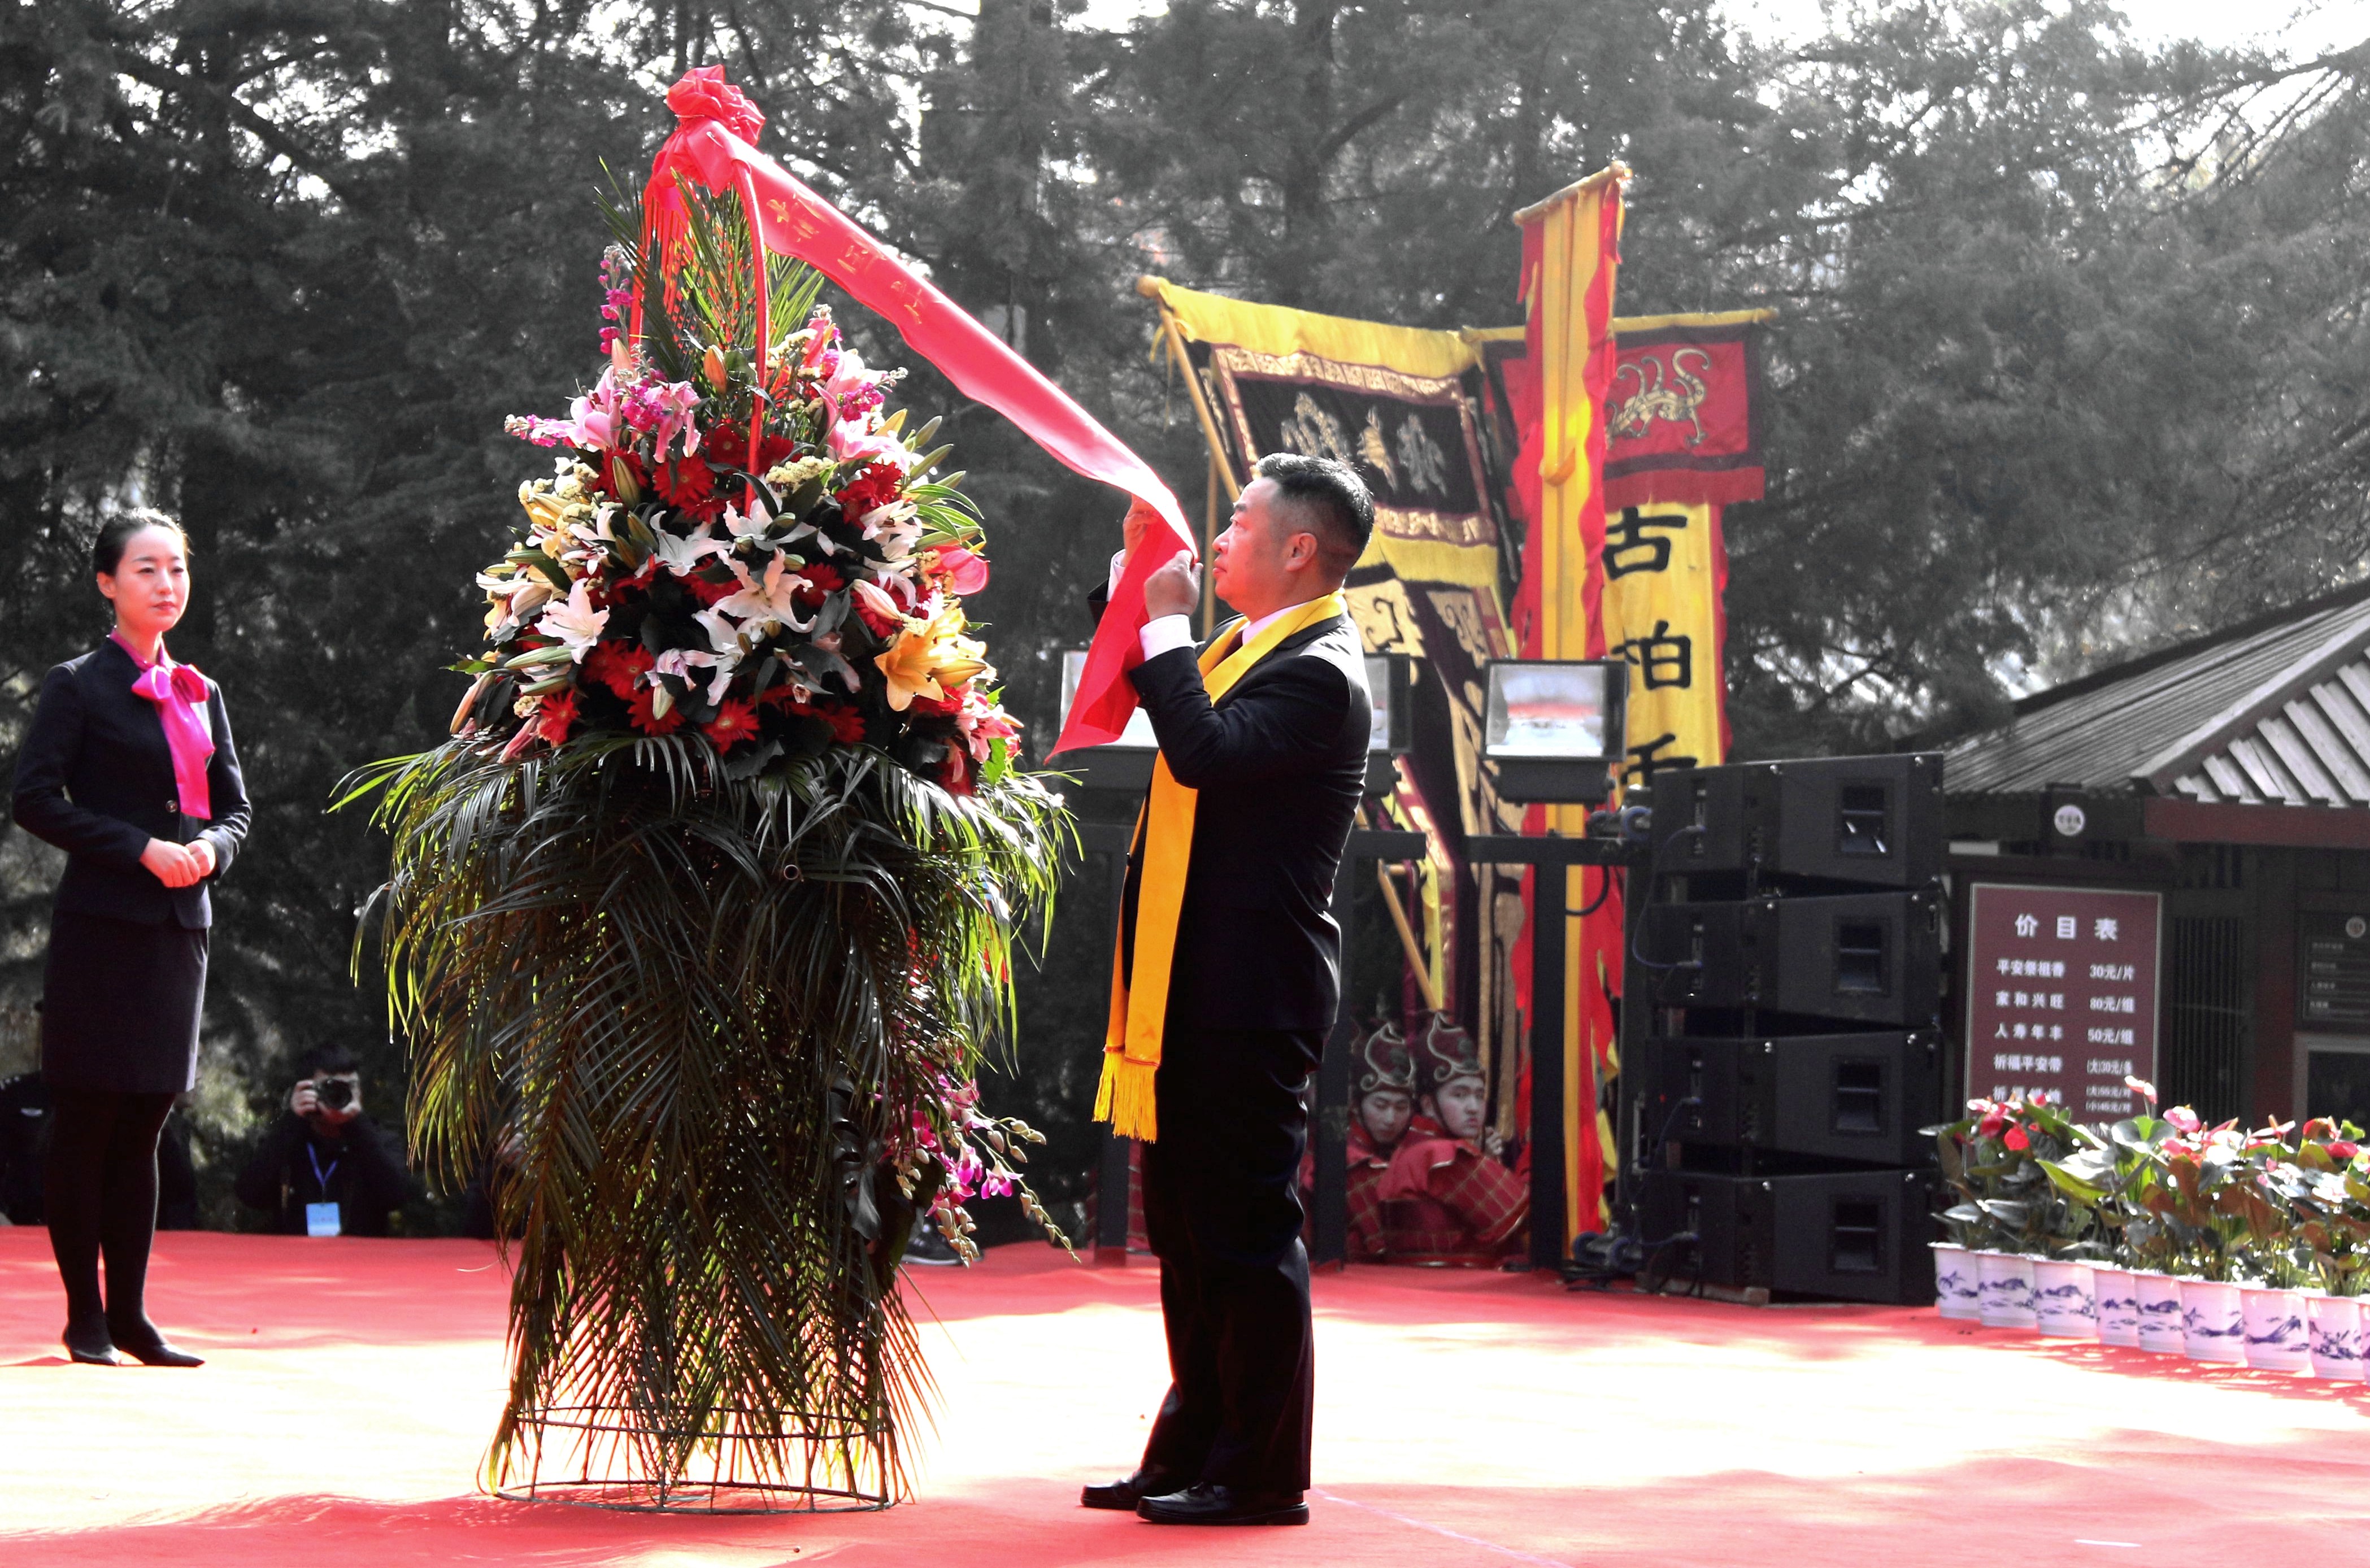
{"x": 95, "y": 779}
{"x": 1280, "y": 763}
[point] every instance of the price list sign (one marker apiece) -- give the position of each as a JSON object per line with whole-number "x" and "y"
{"x": 2061, "y": 995}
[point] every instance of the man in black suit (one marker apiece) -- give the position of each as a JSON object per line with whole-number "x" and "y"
{"x": 1277, "y": 766}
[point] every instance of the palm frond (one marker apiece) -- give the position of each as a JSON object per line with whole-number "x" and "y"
{"x": 728, "y": 1029}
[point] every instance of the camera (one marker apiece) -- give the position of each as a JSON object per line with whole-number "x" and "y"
{"x": 334, "y": 1094}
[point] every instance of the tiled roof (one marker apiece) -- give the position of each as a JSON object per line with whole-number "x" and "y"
{"x": 2277, "y": 711}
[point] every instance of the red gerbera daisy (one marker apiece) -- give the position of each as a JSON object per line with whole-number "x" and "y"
{"x": 647, "y": 720}
{"x": 556, "y": 716}
{"x": 686, "y": 482}
{"x": 876, "y": 484}
{"x": 619, "y": 666}
{"x": 846, "y": 724}
{"x": 818, "y": 580}
{"x": 735, "y": 721}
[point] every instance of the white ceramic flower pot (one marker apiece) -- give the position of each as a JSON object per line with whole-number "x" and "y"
{"x": 2276, "y": 1336}
{"x": 2158, "y": 1296}
{"x": 1957, "y": 1286}
{"x": 2336, "y": 1336}
{"x": 2005, "y": 1280}
{"x": 2065, "y": 1299}
{"x": 2212, "y": 1327}
{"x": 2119, "y": 1305}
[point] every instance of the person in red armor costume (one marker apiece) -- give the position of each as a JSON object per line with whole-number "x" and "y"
{"x": 1447, "y": 1196}
{"x": 1382, "y": 1105}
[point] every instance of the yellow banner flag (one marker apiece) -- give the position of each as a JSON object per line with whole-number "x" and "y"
{"x": 1665, "y": 576}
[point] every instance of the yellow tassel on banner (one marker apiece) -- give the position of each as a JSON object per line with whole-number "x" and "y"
{"x": 1125, "y": 1097}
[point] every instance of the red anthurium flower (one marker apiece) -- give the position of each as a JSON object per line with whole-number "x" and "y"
{"x": 1994, "y": 1119}
{"x": 2184, "y": 1118}
{"x": 735, "y": 721}
{"x": 2017, "y": 1141}
{"x": 2343, "y": 1149}
{"x": 966, "y": 572}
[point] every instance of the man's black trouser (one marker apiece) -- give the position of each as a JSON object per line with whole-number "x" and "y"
{"x": 1222, "y": 1206}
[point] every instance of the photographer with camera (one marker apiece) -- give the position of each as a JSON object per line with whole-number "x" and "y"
{"x": 325, "y": 1168}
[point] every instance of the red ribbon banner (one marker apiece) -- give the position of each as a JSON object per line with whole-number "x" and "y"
{"x": 708, "y": 147}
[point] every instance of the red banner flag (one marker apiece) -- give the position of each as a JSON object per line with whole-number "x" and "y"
{"x": 1681, "y": 410}
{"x": 710, "y": 145}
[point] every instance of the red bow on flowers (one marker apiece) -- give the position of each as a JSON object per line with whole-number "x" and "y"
{"x": 704, "y": 93}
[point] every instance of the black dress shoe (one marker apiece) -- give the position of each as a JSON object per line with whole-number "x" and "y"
{"x": 1124, "y": 1495}
{"x": 91, "y": 1347}
{"x": 1211, "y": 1504}
{"x": 159, "y": 1352}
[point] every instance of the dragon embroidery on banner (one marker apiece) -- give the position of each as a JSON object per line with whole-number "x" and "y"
{"x": 1679, "y": 399}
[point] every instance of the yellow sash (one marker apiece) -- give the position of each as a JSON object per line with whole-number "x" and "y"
{"x": 1164, "y": 832}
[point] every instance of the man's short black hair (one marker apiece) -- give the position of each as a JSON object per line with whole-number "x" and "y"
{"x": 1328, "y": 499}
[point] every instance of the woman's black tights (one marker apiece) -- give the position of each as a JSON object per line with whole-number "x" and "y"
{"x": 98, "y": 1187}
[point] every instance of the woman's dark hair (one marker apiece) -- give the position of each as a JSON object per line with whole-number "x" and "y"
{"x": 1330, "y": 499}
{"x": 107, "y": 550}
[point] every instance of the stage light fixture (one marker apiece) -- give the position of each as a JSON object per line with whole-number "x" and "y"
{"x": 1554, "y": 730}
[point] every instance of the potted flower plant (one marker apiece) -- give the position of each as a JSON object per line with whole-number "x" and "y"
{"x": 2327, "y": 1194}
{"x": 1991, "y": 1158}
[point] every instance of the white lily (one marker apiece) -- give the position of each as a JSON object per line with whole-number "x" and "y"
{"x": 682, "y": 556}
{"x": 896, "y": 528}
{"x": 750, "y": 524}
{"x": 762, "y": 605}
{"x": 724, "y": 635}
{"x": 575, "y": 623}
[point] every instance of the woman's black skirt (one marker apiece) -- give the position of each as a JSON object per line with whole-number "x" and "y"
{"x": 120, "y": 1005}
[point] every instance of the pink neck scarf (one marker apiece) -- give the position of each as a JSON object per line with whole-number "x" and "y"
{"x": 179, "y": 691}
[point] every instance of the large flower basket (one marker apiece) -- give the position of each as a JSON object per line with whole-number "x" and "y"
{"x": 699, "y": 924}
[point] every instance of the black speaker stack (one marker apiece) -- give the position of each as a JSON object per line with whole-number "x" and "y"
{"x": 1790, "y": 953}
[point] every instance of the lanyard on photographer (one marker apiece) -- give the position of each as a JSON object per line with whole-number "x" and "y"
{"x": 320, "y": 1176}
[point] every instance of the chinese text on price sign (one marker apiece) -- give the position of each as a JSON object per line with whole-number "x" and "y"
{"x": 2061, "y": 995}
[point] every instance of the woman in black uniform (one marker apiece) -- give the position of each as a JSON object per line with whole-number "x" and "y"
{"x": 128, "y": 768}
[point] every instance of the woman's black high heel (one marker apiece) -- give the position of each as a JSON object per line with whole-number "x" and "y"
{"x": 148, "y": 1346}
{"x": 88, "y": 1344}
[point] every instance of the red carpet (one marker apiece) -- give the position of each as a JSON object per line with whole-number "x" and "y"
{"x": 1464, "y": 1419}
